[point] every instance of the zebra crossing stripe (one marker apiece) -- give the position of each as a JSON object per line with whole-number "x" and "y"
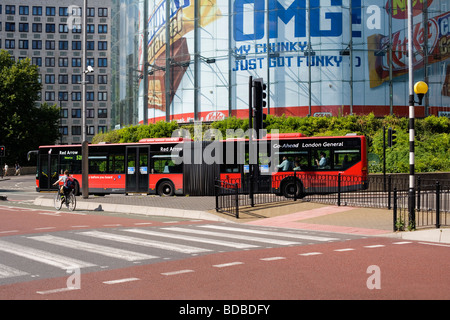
{"x": 8, "y": 272}
{"x": 144, "y": 242}
{"x": 190, "y": 238}
{"x": 235, "y": 236}
{"x": 94, "y": 248}
{"x": 45, "y": 257}
{"x": 272, "y": 233}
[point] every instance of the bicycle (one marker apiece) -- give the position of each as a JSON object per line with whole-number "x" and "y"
{"x": 70, "y": 200}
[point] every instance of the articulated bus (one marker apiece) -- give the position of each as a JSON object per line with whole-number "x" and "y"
{"x": 169, "y": 166}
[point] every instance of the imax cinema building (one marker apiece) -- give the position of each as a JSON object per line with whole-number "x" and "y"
{"x": 189, "y": 60}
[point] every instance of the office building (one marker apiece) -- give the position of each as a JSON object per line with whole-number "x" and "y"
{"x": 49, "y": 32}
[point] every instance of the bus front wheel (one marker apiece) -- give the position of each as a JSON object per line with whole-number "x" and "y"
{"x": 166, "y": 189}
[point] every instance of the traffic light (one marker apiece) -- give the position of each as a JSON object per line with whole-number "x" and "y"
{"x": 391, "y": 137}
{"x": 2, "y": 151}
{"x": 259, "y": 103}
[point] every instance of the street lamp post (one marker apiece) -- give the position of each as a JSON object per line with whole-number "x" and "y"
{"x": 84, "y": 148}
{"x": 420, "y": 88}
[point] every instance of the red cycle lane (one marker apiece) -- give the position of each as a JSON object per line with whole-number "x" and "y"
{"x": 17, "y": 220}
{"x": 370, "y": 268}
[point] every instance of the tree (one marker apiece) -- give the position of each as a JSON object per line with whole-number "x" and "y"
{"x": 23, "y": 124}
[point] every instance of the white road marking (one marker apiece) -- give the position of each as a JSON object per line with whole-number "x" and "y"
{"x": 272, "y": 233}
{"x": 144, "y": 242}
{"x": 235, "y": 236}
{"x": 45, "y": 257}
{"x": 94, "y": 248}
{"x": 189, "y": 238}
{"x": 120, "y": 280}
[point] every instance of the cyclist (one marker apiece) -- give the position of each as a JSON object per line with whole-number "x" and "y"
{"x": 68, "y": 184}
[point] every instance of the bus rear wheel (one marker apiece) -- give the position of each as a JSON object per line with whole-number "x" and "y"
{"x": 292, "y": 188}
{"x": 166, "y": 189}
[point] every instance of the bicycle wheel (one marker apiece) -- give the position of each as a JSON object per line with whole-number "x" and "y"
{"x": 57, "y": 201}
{"x": 72, "y": 201}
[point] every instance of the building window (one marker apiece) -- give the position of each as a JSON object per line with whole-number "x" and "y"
{"x": 76, "y": 78}
{"x": 10, "y": 9}
{"x": 76, "y": 45}
{"x": 64, "y": 45}
{"x": 102, "y": 79}
{"x": 50, "y": 28}
{"x": 23, "y": 44}
{"x": 50, "y": 11}
{"x": 23, "y": 27}
{"x": 103, "y": 45}
{"x": 49, "y": 44}
{"x": 63, "y": 28}
{"x": 103, "y": 96}
{"x": 76, "y": 62}
{"x": 37, "y": 27}
{"x": 49, "y": 78}
{"x": 77, "y": 11}
{"x": 63, "y": 130}
{"x": 37, "y": 61}
{"x": 103, "y": 113}
{"x": 91, "y": 12}
{"x": 64, "y": 113}
{"x": 10, "y": 26}
{"x": 90, "y": 79}
{"x": 90, "y": 28}
{"x": 49, "y": 96}
{"x": 102, "y": 28}
{"x": 76, "y": 130}
{"x": 10, "y": 44}
{"x": 102, "y": 62}
{"x": 101, "y": 129}
{"x": 37, "y": 11}
{"x": 63, "y": 11}
{"x": 90, "y": 130}
{"x": 63, "y": 62}
{"x": 90, "y": 113}
{"x": 102, "y": 12}
{"x": 63, "y": 96}
{"x": 76, "y": 28}
{"x": 36, "y": 44}
{"x": 90, "y": 96}
{"x": 49, "y": 62}
{"x": 90, "y": 45}
{"x": 90, "y": 62}
{"x": 76, "y": 113}
{"x": 76, "y": 96}
{"x": 63, "y": 79}
{"x": 24, "y": 10}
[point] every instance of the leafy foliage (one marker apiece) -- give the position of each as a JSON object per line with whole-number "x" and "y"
{"x": 24, "y": 126}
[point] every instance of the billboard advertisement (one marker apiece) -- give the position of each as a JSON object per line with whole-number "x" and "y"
{"x": 318, "y": 57}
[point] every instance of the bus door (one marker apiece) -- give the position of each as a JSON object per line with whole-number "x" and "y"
{"x": 48, "y": 175}
{"x": 137, "y": 161}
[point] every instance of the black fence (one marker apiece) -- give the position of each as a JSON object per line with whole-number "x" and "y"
{"x": 432, "y": 198}
{"x": 432, "y": 206}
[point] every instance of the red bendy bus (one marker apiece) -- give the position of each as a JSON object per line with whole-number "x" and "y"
{"x": 168, "y": 166}
{"x": 292, "y": 164}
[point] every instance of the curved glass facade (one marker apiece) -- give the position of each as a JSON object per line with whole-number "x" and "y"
{"x": 318, "y": 57}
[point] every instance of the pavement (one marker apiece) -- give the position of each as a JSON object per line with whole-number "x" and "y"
{"x": 289, "y": 214}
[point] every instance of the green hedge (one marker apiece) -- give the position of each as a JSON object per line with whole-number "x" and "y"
{"x": 432, "y": 135}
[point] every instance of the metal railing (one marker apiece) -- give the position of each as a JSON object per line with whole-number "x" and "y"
{"x": 390, "y": 192}
{"x": 432, "y": 206}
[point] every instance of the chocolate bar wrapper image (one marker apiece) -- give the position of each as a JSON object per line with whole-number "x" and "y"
{"x": 438, "y": 42}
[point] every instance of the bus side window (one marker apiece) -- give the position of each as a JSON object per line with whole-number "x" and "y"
{"x": 322, "y": 159}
